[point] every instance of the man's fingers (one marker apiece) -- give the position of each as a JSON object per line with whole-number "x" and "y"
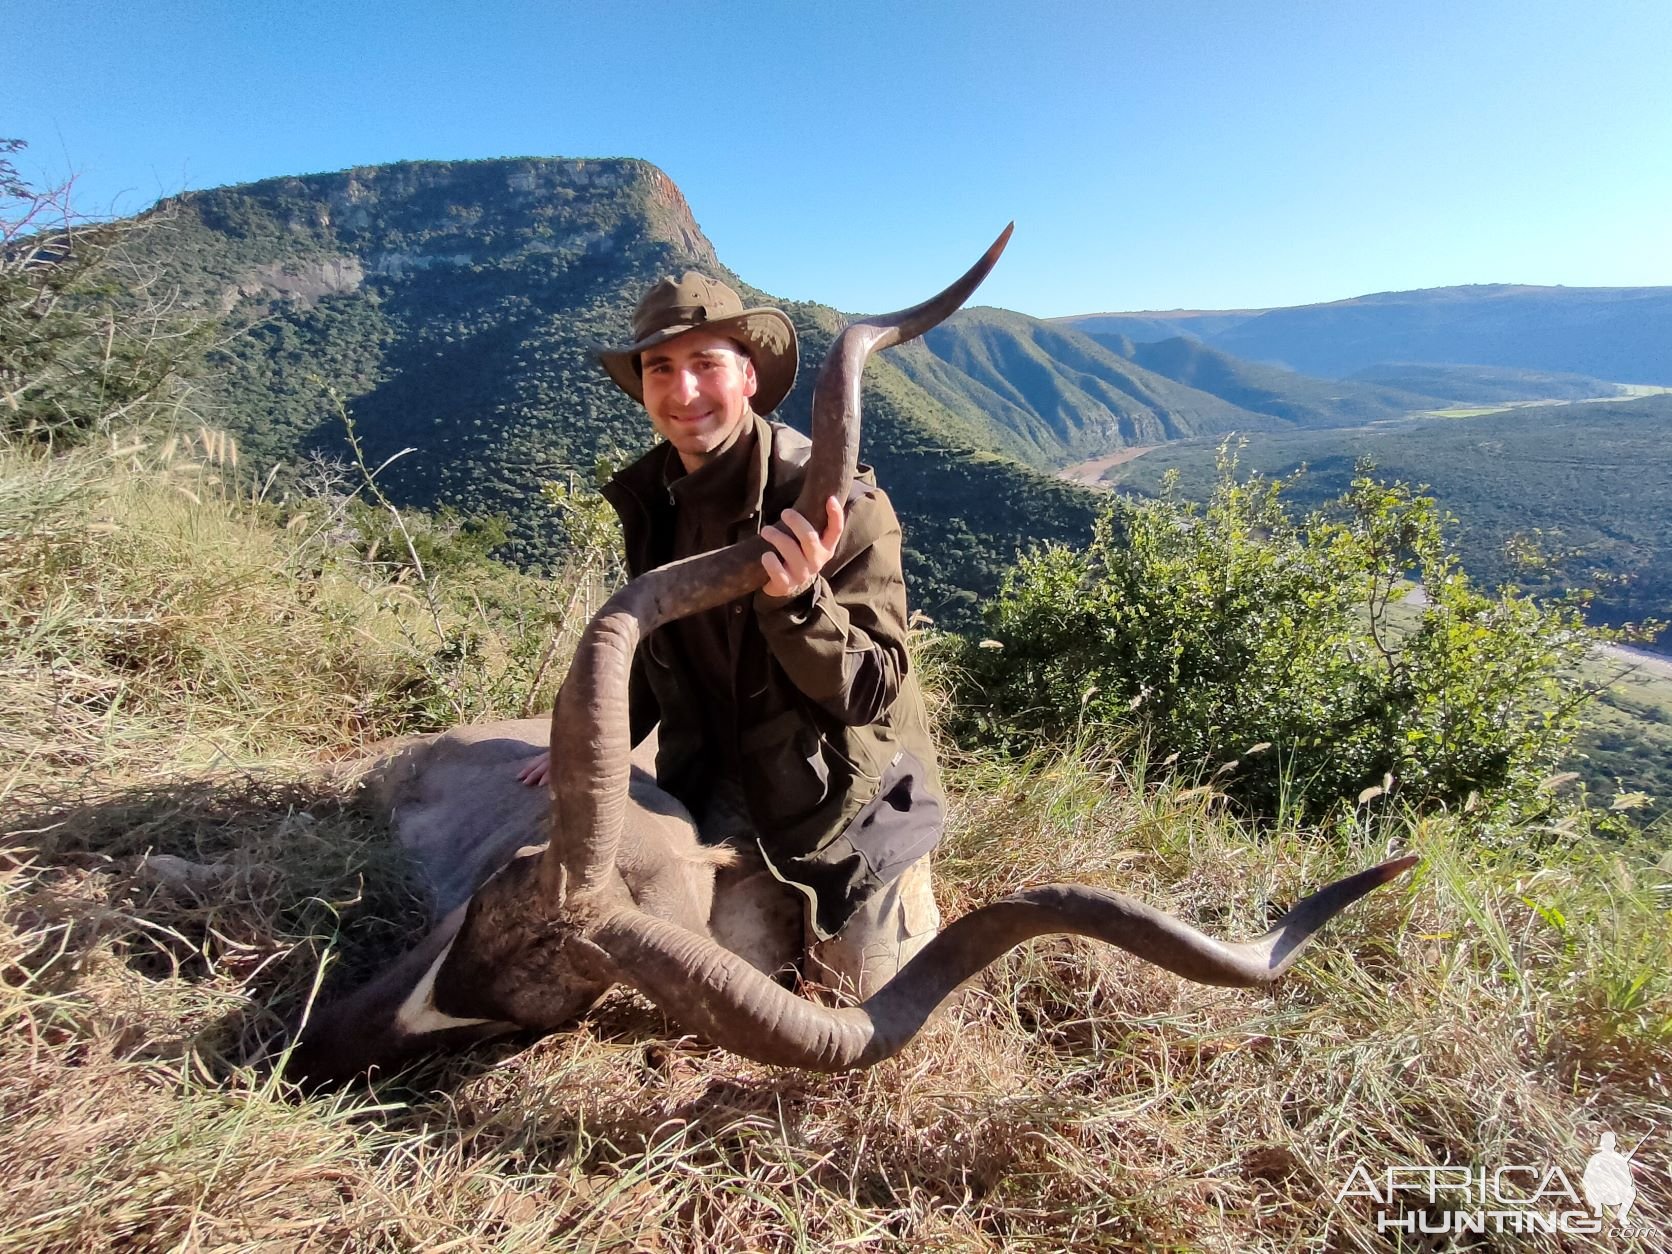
{"x": 817, "y": 547}
{"x": 778, "y": 582}
{"x": 833, "y": 523}
{"x": 801, "y": 551}
{"x": 803, "y": 529}
{"x": 791, "y": 570}
{"x": 785, "y": 543}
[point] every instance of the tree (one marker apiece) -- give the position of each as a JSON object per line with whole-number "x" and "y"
{"x": 89, "y": 339}
{"x": 1296, "y": 665}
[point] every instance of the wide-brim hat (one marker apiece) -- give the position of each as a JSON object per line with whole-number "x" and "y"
{"x": 695, "y": 302}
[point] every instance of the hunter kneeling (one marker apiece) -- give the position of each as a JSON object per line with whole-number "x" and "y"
{"x": 789, "y": 722}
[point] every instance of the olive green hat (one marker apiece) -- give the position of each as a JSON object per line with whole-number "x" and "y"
{"x": 694, "y": 301}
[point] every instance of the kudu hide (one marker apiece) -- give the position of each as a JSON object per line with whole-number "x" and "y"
{"x": 621, "y": 891}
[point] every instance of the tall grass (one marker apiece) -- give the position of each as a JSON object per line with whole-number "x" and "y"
{"x": 151, "y": 604}
{"x": 178, "y": 666}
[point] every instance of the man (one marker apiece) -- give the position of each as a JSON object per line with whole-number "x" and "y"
{"x": 789, "y": 722}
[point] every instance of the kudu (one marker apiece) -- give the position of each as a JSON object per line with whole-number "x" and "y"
{"x": 621, "y": 891}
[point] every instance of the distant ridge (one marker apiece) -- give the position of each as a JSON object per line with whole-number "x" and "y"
{"x": 1296, "y": 398}
{"x": 1052, "y": 395}
{"x": 1623, "y": 334}
{"x": 1151, "y": 325}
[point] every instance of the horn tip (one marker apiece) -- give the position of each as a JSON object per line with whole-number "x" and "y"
{"x": 1395, "y": 867}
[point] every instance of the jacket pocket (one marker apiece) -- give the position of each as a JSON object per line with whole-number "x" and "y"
{"x": 790, "y": 774}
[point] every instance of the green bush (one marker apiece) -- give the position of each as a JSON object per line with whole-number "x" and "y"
{"x": 91, "y": 340}
{"x": 1291, "y": 664}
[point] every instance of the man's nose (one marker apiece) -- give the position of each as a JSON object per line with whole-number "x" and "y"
{"x": 686, "y": 384}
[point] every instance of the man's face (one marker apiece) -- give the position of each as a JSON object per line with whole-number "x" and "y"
{"x": 697, "y": 388}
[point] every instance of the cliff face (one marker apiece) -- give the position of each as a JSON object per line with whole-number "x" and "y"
{"x": 453, "y": 308}
{"x": 330, "y": 231}
{"x": 671, "y": 217}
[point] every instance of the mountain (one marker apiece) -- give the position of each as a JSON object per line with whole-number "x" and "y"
{"x": 1485, "y": 385}
{"x": 1193, "y": 324}
{"x": 1617, "y": 333}
{"x": 1050, "y": 395}
{"x": 451, "y": 306}
{"x": 1296, "y": 398}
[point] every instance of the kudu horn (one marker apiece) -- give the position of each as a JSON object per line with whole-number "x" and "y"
{"x": 568, "y": 904}
{"x": 589, "y": 722}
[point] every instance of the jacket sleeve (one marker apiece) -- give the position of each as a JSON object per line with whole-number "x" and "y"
{"x": 843, "y": 641}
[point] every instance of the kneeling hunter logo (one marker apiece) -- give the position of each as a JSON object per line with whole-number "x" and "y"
{"x": 1516, "y": 1197}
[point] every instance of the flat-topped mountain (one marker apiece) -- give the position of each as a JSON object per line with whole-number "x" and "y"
{"x": 452, "y": 306}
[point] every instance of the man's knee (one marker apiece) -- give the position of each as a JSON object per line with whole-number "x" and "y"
{"x": 884, "y": 934}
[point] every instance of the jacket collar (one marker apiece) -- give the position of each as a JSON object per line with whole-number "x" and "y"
{"x": 779, "y": 455}
{"x": 726, "y": 488}
{"x": 639, "y": 491}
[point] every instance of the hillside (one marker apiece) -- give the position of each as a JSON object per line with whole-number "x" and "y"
{"x": 452, "y": 307}
{"x": 1053, "y": 395}
{"x": 1157, "y": 325}
{"x": 1622, "y": 334}
{"x": 1058, "y": 391}
{"x": 1485, "y": 385}
{"x": 1593, "y": 482}
{"x": 1296, "y": 398}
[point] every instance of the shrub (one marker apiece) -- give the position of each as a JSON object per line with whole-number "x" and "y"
{"x": 1292, "y": 664}
{"x": 91, "y": 340}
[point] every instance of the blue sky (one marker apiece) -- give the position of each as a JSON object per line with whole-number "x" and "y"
{"x": 1154, "y": 155}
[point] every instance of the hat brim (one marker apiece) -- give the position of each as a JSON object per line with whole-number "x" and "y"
{"x": 767, "y": 333}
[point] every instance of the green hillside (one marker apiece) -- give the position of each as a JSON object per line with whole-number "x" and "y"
{"x": 1485, "y": 385}
{"x": 1627, "y": 743}
{"x": 1056, "y": 396}
{"x": 1296, "y": 398}
{"x": 1592, "y": 483}
{"x": 453, "y": 306}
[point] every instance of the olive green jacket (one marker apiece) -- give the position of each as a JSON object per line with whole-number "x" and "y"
{"x": 831, "y": 737}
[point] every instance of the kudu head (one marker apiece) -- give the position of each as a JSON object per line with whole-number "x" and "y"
{"x": 557, "y": 926}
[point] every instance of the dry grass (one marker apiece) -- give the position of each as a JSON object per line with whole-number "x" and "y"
{"x": 1496, "y": 1006}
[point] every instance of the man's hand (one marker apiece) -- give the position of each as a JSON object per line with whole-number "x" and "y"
{"x": 534, "y": 774}
{"x": 801, "y": 551}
